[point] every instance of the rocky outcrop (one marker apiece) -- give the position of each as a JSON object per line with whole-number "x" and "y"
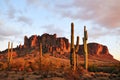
{"x": 50, "y": 43}
{"x": 26, "y": 42}
{"x": 95, "y": 49}
{"x": 34, "y": 41}
{"x": 61, "y": 45}
{"x": 98, "y": 49}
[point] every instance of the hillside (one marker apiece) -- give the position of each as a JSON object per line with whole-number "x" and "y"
{"x": 55, "y": 61}
{"x": 60, "y": 47}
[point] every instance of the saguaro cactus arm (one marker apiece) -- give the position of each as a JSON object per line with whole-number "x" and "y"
{"x": 85, "y": 33}
{"x": 77, "y": 44}
{"x": 40, "y": 56}
{"x": 11, "y": 53}
{"x": 8, "y": 54}
{"x": 76, "y": 50}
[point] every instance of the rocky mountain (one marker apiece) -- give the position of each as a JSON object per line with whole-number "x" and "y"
{"x": 95, "y": 49}
{"x": 60, "y": 45}
{"x": 50, "y": 43}
{"x": 57, "y": 45}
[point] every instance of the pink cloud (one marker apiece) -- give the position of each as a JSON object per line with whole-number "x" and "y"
{"x": 105, "y": 13}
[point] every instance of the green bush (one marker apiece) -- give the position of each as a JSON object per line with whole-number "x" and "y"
{"x": 93, "y": 68}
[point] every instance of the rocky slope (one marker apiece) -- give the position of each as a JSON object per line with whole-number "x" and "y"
{"x": 25, "y": 65}
{"x": 59, "y": 46}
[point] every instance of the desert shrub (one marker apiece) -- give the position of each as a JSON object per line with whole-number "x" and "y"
{"x": 118, "y": 74}
{"x": 3, "y": 66}
{"x": 18, "y": 64}
{"x": 34, "y": 66}
{"x": 71, "y": 75}
{"x": 93, "y": 68}
{"x": 107, "y": 69}
{"x": 81, "y": 70}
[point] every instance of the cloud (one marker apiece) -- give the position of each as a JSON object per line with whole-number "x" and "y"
{"x": 16, "y": 14}
{"x": 53, "y": 30}
{"x": 7, "y": 32}
{"x": 25, "y": 20}
{"x": 105, "y": 13}
{"x": 33, "y": 2}
{"x": 96, "y": 32}
{"x": 11, "y": 12}
{"x": 1, "y": 22}
{"x": 7, "y": 2}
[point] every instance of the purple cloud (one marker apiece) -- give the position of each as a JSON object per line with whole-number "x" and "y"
{"x": 25, "y": 20}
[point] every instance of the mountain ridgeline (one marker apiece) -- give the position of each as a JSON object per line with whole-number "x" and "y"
{"x": 60, "y": 45}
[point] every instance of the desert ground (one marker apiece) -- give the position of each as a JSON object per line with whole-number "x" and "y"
{"x": 54, "y": 68}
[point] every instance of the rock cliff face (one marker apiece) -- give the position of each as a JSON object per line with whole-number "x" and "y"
{"x": 61, "y": 45}
{"x": 95, "y": 49}
{"x": 50, "y": 43}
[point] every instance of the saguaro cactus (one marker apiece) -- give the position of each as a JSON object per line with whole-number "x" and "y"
{"x": 10, "y": 56}
{"x": 40, "y": 56}
{"x": 72, "y": 45}
{"x": 73, "y": 56}
{"x": 11, "y": 53}
{"x": 85, "y": 38}
{"x": 76, "y": 50}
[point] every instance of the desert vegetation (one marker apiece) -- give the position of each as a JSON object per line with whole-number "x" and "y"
{"x": 25, "y": 63}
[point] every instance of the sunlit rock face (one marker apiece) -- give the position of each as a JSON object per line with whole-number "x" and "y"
{"x": 26, "y": 42}
{"x": 95, "y": 49}
{"x": 50, "y": 43}
{"x": 34, "y": 41}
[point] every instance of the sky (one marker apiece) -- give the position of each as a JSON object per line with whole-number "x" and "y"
{"x": 35, "y": 17}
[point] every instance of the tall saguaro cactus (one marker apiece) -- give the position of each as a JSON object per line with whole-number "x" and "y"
{"x": 10, "y": 56}
{"x": 40, "y": 55}
{"x": 85, "y": 38}
{"x": 72, "y": 45}
{"x": 73, "y": 55}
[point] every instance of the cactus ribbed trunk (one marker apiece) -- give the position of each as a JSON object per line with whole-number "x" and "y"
{"x": 10, "y": 56}
{"x": 72, "y": 53}
{"x": 74, "y": 50}
{"x": 11, "y": 53}
{"x": 85, "y": 48}
{"x": 40, "y": 56}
